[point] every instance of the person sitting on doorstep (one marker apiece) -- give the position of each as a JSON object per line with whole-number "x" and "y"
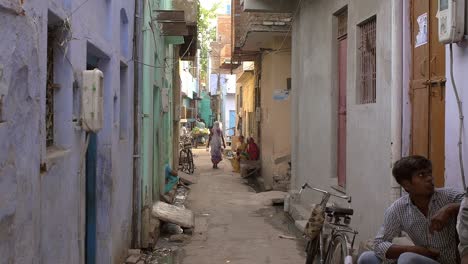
{"x": 426, "y": 214}
{"x": 252, "y": 149}
{"x": 240, "y": 154}
{"x": 172, "y": 178}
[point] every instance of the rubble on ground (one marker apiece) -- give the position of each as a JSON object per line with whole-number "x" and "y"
{"x": 157, "y": 256}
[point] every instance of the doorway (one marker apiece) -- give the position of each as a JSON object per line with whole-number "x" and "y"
{"x": 427, "y": 91}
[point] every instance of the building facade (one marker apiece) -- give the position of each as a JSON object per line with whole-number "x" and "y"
{"x": 63, "y": 200}
{"x": 262, "y": 42}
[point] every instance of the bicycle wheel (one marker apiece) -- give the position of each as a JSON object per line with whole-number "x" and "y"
{"x": 337, "y": 250}
{"x": 191, "y": 166}
{"x": 184, "y": 160}
{"x": 313, "y": 250}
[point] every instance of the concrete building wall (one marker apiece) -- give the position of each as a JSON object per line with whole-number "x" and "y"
{"x": 43, "y": 214}
{"x": 223, "y": 36}
{"x": 276, "y": 114}
{"x": 314, "y": 115}
{"x": 452, "y": 121}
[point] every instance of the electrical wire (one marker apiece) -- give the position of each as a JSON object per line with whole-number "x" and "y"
{"x": 460, "y": 113}
{"x": 76, "y": 9}
{"x": 290, "y": 27}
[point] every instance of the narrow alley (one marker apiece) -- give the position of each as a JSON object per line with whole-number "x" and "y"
{"x": 322, "y": 112}
{"x": 232, "y": 225}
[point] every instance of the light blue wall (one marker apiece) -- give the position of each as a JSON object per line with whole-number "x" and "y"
{"x": 42, "y": 214}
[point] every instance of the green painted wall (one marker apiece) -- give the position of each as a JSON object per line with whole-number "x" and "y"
{"x": 157, "y": 125}
{"x": 205, "y": 108}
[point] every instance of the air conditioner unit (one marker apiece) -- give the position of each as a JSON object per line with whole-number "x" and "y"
{"x": 92, "y": 113}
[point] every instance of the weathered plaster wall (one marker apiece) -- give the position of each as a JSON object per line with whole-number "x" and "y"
{"x": 44, "y": 212}
{"x": 314, "y": 117}
{"x": 20, "y": 156}
{"x": 452, "y": 167}
{"x": 276, "y": 115}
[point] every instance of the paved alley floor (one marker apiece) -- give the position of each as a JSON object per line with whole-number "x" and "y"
{"x": 232, "y": 226}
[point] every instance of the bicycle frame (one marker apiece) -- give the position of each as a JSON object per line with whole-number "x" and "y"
{"x": 336, "y": 229}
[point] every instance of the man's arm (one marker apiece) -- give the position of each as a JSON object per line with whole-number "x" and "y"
{"x": 391, "y": 228}
{"x": 443, "y": 216}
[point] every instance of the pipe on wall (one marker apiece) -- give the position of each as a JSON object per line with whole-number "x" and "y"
{"x": 396, "y": 90}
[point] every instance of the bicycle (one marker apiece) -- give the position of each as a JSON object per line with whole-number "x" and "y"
{"x": 331, "y": 240}
{"x": 185, "y": 155}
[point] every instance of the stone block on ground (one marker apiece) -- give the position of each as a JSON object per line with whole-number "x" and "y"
{"x": 301, "y": 224}
{"x": 187, "y": 178}
{"x": 133, "y": 259}
{"x": 181, "y": 238}
{"x": 134, "y": 252}
{"x": 173, "y": 214}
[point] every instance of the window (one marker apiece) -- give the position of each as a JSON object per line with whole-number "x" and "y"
{"x": 367, "y": 62}
{"x": 123, "y": 33}
{"x": 241, "y": 97}
{"x": 49, "y": 115}
{"x": 2, "y": 120}
{"x": 2, "y": 103}
{"x": 123, "y": 102}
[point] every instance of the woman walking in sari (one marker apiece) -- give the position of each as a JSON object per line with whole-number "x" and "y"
{"x": 216, "y": 141}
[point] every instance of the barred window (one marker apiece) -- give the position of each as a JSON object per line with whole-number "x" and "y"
{"x": 367, "y": 62}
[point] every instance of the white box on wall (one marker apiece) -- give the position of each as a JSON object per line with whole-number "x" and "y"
{"x": 92, "y": 108}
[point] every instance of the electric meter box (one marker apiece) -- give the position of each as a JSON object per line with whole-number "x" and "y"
{"x": 92, "y": 108}
{"x": 451, "y": 17}
{"x": 165, "y": 100}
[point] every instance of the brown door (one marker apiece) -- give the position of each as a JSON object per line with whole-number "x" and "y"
{"x": 428, "y": 87}
{"x": 342, "y": 78}
{"x": 342, "y": 62}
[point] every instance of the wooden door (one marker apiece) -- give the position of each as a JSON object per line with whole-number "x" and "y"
{"x": 342, "y": 77}
{"x": 428, "y": 87}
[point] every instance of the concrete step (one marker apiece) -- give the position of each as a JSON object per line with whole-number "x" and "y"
{"x": 301, "y": 224}
{"x": 298, "y": 211}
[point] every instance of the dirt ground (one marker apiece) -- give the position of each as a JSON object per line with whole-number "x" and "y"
{"x": 233, "y": 225}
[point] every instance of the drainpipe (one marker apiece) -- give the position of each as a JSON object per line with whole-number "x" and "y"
{"x": 396, "y": 90}
{"x": 137, "y": 75}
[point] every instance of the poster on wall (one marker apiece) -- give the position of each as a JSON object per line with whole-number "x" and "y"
{"x": 281, "y": 95}
{"x": 422, "y": 36}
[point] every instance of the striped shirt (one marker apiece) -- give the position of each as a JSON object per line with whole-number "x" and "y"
{"x": 404, "y": 216}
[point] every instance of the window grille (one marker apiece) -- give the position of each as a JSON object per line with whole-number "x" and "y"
{"x": 342, "y": 24}
{"x": 367, "y": 62}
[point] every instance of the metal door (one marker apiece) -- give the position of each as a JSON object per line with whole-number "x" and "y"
{"x": 428, "y": 87}
{"x": 232, "y": 122}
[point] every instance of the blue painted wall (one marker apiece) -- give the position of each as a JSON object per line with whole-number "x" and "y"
{"x": 42, "y": 214}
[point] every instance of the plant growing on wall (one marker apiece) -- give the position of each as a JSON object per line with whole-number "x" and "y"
{"x": 206, "y": 34}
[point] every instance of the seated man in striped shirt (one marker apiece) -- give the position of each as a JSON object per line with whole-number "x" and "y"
{"x": 462, "y": 228}
{"x": 427, "y": 215}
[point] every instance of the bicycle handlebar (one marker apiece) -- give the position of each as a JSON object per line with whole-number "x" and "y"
{"x": 306, "y": 185}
